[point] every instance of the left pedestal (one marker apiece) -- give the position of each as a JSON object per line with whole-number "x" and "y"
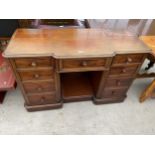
{"x": 37, "y": 79}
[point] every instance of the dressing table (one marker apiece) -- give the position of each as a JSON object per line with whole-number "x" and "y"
{"x": 53, "y": 67}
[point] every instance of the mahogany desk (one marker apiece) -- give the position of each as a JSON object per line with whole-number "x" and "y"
{"x": 57, "y": 66}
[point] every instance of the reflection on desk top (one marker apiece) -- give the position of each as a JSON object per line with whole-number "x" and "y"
{"x": 149, "y": 41}
{"x": 72, "y": 43}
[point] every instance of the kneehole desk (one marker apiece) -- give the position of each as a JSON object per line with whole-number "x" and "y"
{"x": 57, "y": 66}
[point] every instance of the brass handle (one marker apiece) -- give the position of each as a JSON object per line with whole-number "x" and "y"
{"x": 129, "y": 59}
{"x": 36, "y": 75}
{"x": 33, "y": 64}
{"x": 84, "y": 63}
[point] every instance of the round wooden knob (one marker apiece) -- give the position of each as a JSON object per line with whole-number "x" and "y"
{"x": 129, "y": 59}
{"x": 118, "y": 83}
{"x": 84, "y": 63}
{"x": 124, "y": 70}
{"x": 33, "y": 64}
{"x": 42, "y": 100}
{"x": 113, "y": 92}
{"x": 36, "y": 75}
{"x": 39, "y": 89}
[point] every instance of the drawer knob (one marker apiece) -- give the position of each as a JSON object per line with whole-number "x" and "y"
{"x": 124, "y": 70}
{"x": 113, "y": 92}
{"x": 118, "y": 83}
{"x": 36, "y": 76}
{"x": 84, "y": 63}
{"x": 39, "y": 89}
{"x": 33, "y": 64}
{"x": 129, "y": 59}
{"x": 42, "y": 100}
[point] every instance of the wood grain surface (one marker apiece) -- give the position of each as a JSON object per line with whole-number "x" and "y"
{"x": 72, "y": 43}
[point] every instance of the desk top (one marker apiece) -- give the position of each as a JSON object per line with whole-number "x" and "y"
{"x": 72, "y": 43}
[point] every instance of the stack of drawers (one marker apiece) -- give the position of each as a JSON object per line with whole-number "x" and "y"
{"x": 121, "y": 74}
{"x": 37, "y": 79}
{"x": 40, "y": 83}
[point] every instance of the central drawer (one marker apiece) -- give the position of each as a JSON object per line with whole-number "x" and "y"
{"x": 41, "y": 99}
{"x": 38, "y": 87}
{"x": 83, "y": 64}
{"x": 36, "y": 74}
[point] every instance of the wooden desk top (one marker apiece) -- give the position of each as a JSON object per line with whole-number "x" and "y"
{"x": 150, "y": 42}
{"x": 71, "y": 43}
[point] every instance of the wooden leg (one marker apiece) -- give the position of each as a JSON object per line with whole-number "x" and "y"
{"x": 2, "y": 95}
{"x": 147, "y": 92}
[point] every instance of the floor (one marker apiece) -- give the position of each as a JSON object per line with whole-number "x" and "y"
{"x": 129, "y": 117}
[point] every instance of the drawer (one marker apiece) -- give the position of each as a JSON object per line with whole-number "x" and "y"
{"x": 118, "y": 82}
{"x": 34, "y": 62}
{"x": 114, "y": 93}
{"x": 83, "y": 64}
{"x": 36, "y": 74}
{"x": 36, "y": 87}
{"x": 127, "y": 59}
{"x": 41, "y": 99}
{"x": 123, "y": 71}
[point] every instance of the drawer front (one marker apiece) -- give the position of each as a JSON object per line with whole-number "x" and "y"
{"x": 37, "y": 87}
{"x": 114, "y": 93}
{"x": 118, "y": 82}
{"x": 127, "y": 59}
{"x": 36, "y": 75}
{"x": 123, "y": 71}
{"x": 41, "y": 99}
{"x": 34, "y": 62}
{"x": 83, "y": 64}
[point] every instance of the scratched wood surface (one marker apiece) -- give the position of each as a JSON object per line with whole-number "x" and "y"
{"x": 72, "y": 43}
